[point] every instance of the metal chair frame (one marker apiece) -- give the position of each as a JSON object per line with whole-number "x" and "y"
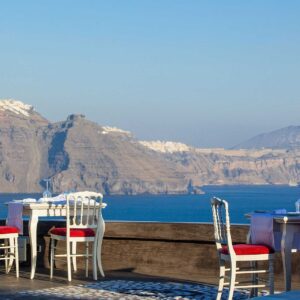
{"x": 84, "y": 211}
{"x": 223, "y": 238}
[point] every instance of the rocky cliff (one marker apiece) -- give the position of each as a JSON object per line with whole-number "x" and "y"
{"x": 80, "y": 154}
{"x": 77, "y": 154}
{"x": 22, "y": 150}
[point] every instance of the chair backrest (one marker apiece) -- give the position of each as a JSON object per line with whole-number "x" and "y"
{"x": 84, "y": 210}
{"x": 221, "y": 224}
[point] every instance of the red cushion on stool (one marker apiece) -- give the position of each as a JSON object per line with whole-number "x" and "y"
{"x": 248, "y": 249}
{"x": 8, "y": 229}
{"x": 76, "y": 232}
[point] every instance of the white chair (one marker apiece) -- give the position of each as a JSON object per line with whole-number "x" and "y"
{"x": 232, "y": 254}
{"x": 84, "y": 223}
{"x": 10, "y": 247}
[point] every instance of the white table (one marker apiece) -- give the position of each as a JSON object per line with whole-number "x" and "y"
{"x": 36, "y": 210}
{"x": 288, "y": 226}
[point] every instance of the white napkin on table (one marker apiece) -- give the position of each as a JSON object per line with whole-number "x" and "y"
{"x": 264, "y": 230}
{"x": 27, "y": 200}
{"x": 59, "y": 198}
{"x": 261, "y": 229}
{"x": 62, "y": 198}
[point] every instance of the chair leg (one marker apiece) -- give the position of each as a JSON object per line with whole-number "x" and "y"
{"x": 271, "y": 276}
{"x": 74, "y": 260}
{"x": 87, "y": 259}
{"x": 52, "y": 258}
{"x": 6, "y": 243}
{"x": 11, "y": 257}
{"x": 253, "y": 291}
{"x": 17, "y": 257}
{"x": 69, "y": 260}
{"x": 95, "y": 270}
{"x": 98, "y": 251}
{"x": 221, "y": 279}
{"x": 232, "y": 279}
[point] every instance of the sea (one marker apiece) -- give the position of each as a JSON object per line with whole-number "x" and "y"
{"x": 189, "y": 208}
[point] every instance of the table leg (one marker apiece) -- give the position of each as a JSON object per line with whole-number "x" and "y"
{"x": 33, "y": 242}
{"x": 99, "y": 246}
{"x": 286, "y": 253}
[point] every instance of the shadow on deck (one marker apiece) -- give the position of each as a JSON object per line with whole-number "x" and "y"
{"x": 123, "y": 285}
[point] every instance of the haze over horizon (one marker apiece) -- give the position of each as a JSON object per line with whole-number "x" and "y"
{"x": 208, "y": 74}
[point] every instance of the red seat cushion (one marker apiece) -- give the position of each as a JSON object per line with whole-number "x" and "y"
{"x": 76, "y": 232}
{"x": 8, "y": 229}
{"x": 248, "y": 249}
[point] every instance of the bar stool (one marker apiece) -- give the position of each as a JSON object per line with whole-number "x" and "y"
{"x": 10, "y": 247}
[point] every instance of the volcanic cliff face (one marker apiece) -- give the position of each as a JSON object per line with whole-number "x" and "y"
{"x": 21, "y": 139}
{"x": 84, "y": 155}
{"x": 219, "y": 166}
{"x": 80, "y": 154}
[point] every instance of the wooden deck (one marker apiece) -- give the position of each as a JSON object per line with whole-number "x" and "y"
{"x": 141, "y": 251}
{"x": 123, "y": 285}
{"x": 293, "y": 295}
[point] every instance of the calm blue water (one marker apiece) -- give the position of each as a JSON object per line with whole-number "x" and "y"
{"x": 190, "y": 208}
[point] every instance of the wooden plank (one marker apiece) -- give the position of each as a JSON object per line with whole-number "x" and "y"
{"x": 169, "y": 231}
{"x": 155, "y": 252}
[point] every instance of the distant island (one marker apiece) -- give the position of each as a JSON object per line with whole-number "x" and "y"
{"x": 80, "y": 154}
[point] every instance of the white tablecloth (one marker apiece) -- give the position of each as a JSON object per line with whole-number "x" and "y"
{"x": 265, "y": 231}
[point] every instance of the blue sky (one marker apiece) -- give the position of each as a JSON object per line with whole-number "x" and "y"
{"x": 206, "y": 73}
